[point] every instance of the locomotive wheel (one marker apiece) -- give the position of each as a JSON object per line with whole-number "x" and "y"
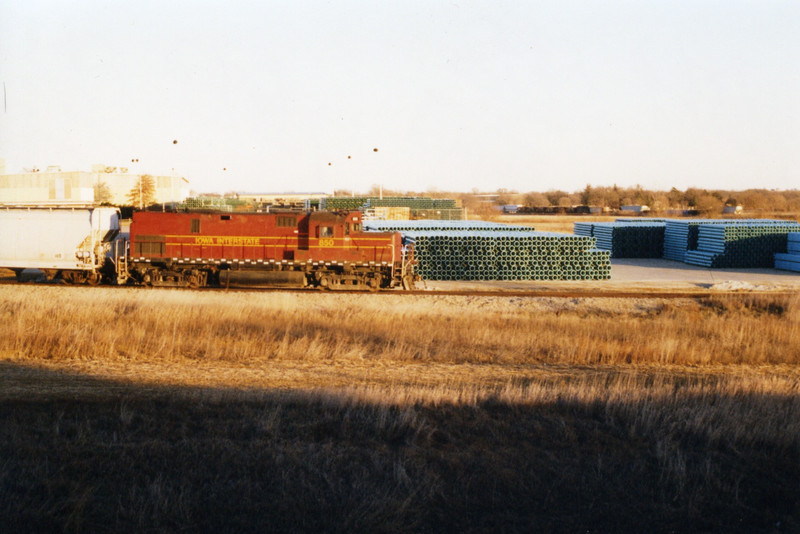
{"x": 325, "y": 282}
{"x": 374, "y": 284}
{"x": 193, "y": 281}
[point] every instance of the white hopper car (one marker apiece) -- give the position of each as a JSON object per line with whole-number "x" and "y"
{"x": 70, "y": 243}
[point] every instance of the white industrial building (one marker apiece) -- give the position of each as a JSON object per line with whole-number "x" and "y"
{"x": 52, "y": 185}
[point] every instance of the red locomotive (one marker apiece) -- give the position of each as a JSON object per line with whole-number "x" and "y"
{"x": 318, "y": 249}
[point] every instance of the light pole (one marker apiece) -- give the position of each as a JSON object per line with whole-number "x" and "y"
{"x": 380, "y": 184}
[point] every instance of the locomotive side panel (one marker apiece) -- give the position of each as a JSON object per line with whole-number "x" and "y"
{"x": 213, "y": 237}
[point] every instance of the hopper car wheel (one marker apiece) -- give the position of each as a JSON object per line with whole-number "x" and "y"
{"x": 93, "y": 279}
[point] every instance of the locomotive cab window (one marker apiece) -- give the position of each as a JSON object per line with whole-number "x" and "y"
{"x": 356, "y": 227}
{"x": 346, "y": 228}
{"x": 286, "y": 222}
{"x": 195, "y": 226}
{"x": 325, "y": 231}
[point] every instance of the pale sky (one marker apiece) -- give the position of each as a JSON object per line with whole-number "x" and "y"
{"x": 524, "y": 95}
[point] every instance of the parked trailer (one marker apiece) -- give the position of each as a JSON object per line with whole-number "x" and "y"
{"x": 71, "y": 243}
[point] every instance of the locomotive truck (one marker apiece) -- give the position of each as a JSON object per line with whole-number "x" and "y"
{"x": 327, "y": 250}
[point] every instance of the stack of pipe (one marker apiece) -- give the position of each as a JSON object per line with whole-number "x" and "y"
{"x": 420, "y": 207}
{"x": 740, "y": 244}
{"x": 639, "y": 239}
{"x": 444, "y": 214}
{"x": 645, "y": 220}
{"x": 583, "y": 228}
{"x": 681, "y": 236}
{"x": 790, "y": 261}
{"x": 343, "y": 203}
{"x": 503, "y": 254}
{"x": 438, "y": 225}
{"x": 414, "y": 203}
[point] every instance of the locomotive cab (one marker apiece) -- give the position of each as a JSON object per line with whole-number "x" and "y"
{"x": 329, "y": 237}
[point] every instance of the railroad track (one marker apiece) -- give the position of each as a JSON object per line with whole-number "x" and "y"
{"x": 516, "y": 293}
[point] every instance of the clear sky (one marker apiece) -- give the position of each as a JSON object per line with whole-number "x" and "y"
{"x": 526, "y": 95}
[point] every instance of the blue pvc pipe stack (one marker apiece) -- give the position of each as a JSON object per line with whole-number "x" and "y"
{"x": 740, "y": 244}
{"x": 583, "y": 228}
{"x": 681, "y": 236}
{"x": 639, "y": 239}
{"x": 790, "y": 260}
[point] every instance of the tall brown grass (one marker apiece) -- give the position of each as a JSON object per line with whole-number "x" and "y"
{"x": 72, "y": 324}
{"x": 168, "y": 410}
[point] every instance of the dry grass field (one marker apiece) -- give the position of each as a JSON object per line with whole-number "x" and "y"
{"x": 204, "y": 411}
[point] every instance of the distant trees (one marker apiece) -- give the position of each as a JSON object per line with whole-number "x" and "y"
{"x": 143, "y": 193}
{"x": 702, "y": 200}
{"x": 706, "y": 201}
{"x": 102, "y": 193}
{"x": 535, "y": 200}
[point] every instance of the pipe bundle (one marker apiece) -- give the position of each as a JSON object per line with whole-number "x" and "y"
{"x": 681, "y": 236}
{"x": 637, "y": 239}
{"x": 438, "y": 225}
{"x": 503, "y": 254}
{"x": 414, "y": 203}
{"x": 740, "y": 244}
{"x": 790, "y": 261}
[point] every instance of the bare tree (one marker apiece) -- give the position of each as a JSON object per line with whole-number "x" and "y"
{"x": 102, "y": 193}
{"x": 143, "y": 193}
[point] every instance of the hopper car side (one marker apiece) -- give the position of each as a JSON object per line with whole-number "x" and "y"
{"x": 70, "y": 243}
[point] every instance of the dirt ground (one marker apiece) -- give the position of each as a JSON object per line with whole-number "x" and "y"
{"x": 649, "y": 274}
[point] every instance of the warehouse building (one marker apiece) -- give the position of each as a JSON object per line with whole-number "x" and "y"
{"x": 52, "y": 185}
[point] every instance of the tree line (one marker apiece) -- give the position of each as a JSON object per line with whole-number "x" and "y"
{"x": 614, "y": 197}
